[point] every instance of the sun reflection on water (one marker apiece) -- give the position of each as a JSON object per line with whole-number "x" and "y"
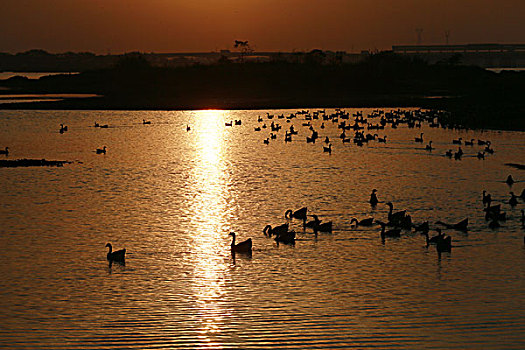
{"x": 209, "y": 221}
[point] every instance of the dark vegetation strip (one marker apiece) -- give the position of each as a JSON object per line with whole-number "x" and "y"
{"x": 475, "y": 98}
{"x": 12, "y": 163}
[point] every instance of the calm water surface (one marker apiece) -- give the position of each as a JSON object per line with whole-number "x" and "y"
{"x": 170, "y": 197}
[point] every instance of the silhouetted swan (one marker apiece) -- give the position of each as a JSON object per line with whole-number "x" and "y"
{"x": 298, "y": 214}
{"x": 481, "y": 155}
{"x": 449, "y": 153}
{"x": 364, "y": 222}
{"x": 101, "y": 150}
{"x": 328, "y": 149}
{"x": 105, "y": 126}
{"x": 457, "y": 142}
{"x": 419, "y": 139}
{"x": 460, "y": 226}
{"x": 277, "y": 230}
{"x": 97, "y": 125}
{"x": 509, "y": 180}
{"x": 429, "y": 146}
{"x": 326, "y": 140}
{"x": 266, "y": 141}
{"x": 373, "y": 198}
{"x": 397, "y": 217}
{"x": 188, "y": 128}
{"x": 63, "y": 128}
{"x": 469, "y": 143}
{"x": 390, "y": 233}
{"x": 119, "y": 255}
{"x": 257, "y": 129}
{"x": 145, "y": 122}
{"x": 228, "y": 124}
{"x": 513, "y": 199}
{"x": 242, "y": 247}
{"x": 6, "y": 151}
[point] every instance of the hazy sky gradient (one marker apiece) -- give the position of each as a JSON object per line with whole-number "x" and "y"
{"x": 118, "y": 26}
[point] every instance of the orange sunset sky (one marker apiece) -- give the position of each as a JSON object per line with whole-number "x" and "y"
{"x": 117, "y": 26}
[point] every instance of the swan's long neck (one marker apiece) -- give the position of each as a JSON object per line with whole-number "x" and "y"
{"x": 110, "y": 248}
{"x": 233, "y": 240}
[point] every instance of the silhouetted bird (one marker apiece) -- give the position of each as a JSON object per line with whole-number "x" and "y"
{"x": 119, "y": 255}
{"x": 242, "y": 247}
{"x": 373, "y": 198}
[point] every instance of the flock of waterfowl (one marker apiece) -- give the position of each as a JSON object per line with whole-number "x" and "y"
{"x": 396, "y": 222}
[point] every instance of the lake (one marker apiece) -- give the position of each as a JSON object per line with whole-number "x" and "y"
{"x": 171, "y": 197}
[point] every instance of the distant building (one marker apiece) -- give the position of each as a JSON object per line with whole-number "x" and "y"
{"x": 483, "y": 55}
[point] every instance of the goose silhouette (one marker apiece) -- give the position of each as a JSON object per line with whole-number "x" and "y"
{"x": 242, "y": 247}
{"x": 509, "y": 180}
{"x": 364, "y": 222}
{"x": 101, "y": 150}
{"x": 486, "y": 198}
{"x": 145, "y": 122}
{"x": 444, "y": 244}
{"x": 494, "y": 224}
{"x": 276, "y": 231}
{"x": 423, "y": 228}
{"x": 513, "y": 201}
{"x": 373, "y": 198}
{"x": 285, "y": 237}
{"x": 395, "y": 218}
{"x": 298, "y": 214}
{"x": 394, "y": 233}
{"x": 419, "y": 139}
{"x": 429, "y": 146}
{"x": 322, "y": 227}
{"x": 434, "y": 239}
{"x": 457, "y": 142}
{"x": 119, "y": 255}
{"x": 460, "y": 226}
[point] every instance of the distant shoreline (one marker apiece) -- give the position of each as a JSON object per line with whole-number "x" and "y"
{"x": 474, "y": 97}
